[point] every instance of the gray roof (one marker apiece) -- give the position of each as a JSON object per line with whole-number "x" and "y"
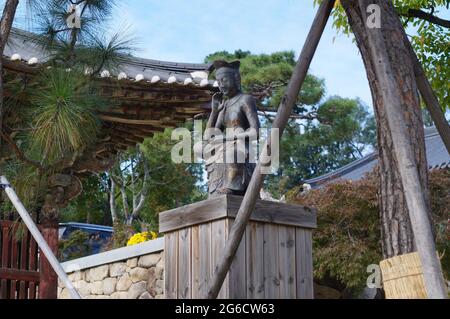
{"x": 437, "y": 158}
{"x": 22, "y": 45}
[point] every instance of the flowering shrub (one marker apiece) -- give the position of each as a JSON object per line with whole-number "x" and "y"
{"x": 141, "y": 237}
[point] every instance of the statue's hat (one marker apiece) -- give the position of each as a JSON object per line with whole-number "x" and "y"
{"x": 222, "y": 67}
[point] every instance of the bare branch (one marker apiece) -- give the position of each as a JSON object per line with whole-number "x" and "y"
{"x": 133, "y": 186}
{"x": 416, "y": 13}
{"x": 116, "y": 180}
{"x": 112, "y": 201}
{"x": 126, "y": 209}
{"x": 144, "y": 190}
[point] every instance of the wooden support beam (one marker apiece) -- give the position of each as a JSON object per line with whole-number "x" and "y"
{"x": 284, "y": 111}
{"x": 127, "y": 137}
{"x": 140, "y": 128}
{"x": 116, "y": 119}
{"x": 156, "y": 114}
{"x": 121, "y": 142}
{"x": 18, "y": 66}
{"x": 430, "y": 99}
{"x": 26, "y": 275}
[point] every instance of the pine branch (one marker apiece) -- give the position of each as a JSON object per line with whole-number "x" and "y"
{"x": 19, "y": 154}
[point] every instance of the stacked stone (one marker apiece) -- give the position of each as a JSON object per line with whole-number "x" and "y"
{"x": 136, "y": 278}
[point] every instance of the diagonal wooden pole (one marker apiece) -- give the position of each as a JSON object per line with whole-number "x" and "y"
{"x": 431, "y": 101}
{"x": 283, "y": 114}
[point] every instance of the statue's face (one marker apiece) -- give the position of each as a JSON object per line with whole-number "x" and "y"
{"x": 227, "y": 83}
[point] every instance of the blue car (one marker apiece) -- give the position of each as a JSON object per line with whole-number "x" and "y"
{"x": 99, "y": 235}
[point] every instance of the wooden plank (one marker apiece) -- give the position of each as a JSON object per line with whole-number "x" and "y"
{"x": 170, "y": 265}
{"x": 32, "y": 265}
{"x": 7, "y": 223}
{"x": 22, "y": 294}
{"x": 223, "y": 206}
{"x": 3, "y": 289}
{"x": 48, "y": 283}
{"x": 23, "y": 262}
{"x": 26, "y": 275}
{"x": 33, "y": 252}
{"x": 5, "y": 245}
{"x": 24, "y": 242}
{"x": 237, "y": 273}
{"x": 18, "y": 67}
{"x": 193, "y": 214}
{"x": 255, "y": 260}
{"x": 286, "y": 236}
{"x": 195, "y": 259}
{"x": 303, "y": 247}
{"x": 5, "y": 250}
{"x": 158, "y": 123}
{"x": 32, "y": 290}
{"x": 204, "y": 258}
{"x": 275, "y": 212}
{"x": 140, "y": 128}
{"x": 125, "y": 136}
{"x": 14, "y": 261}
{"x": 184, "y": 264}
{"x": 271, "y": 262}
{"x": 218, "y": 238}
{"x": 13, "y": 289}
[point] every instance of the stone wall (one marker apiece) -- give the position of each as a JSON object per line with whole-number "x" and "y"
{"x": 136, "y": 277}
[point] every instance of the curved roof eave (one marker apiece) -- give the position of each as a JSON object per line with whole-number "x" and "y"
{"x": 25, "y": 47}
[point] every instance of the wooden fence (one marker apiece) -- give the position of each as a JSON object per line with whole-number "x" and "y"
{"x": 24, "y": 273}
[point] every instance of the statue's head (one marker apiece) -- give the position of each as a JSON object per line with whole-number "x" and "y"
{"x": 228, "y": 77}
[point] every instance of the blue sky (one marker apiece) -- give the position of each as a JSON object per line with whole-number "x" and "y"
{"x": 187, "y": 31}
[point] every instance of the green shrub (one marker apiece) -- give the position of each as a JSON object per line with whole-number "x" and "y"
{"x": 347, "y": 238}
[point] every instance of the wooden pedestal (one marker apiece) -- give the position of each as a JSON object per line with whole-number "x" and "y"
{"x": 274, "y": 259}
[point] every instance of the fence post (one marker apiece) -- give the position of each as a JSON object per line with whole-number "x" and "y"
{"x": 48, "y": 286}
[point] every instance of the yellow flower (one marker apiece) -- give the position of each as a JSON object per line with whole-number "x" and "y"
{"x": 141, "y": 237}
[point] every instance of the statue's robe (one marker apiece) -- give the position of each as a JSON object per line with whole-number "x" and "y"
{"x": 230, "y": 168}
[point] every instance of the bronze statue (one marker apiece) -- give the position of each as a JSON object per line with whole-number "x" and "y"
{"x": 235, "y": 112}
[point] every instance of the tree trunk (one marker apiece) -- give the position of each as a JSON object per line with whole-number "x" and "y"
{"x": 396, "y": 231}
{"x": 5, "y": 27}
{"x": 112, "y": 202}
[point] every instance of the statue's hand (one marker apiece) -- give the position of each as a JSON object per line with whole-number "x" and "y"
{"x": 217, "y": 102}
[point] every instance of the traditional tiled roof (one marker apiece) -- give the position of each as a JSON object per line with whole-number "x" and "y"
{"x": 437, "y": 158}
{"x": 24, "y": 46}
{"x": 147, "y": 96}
